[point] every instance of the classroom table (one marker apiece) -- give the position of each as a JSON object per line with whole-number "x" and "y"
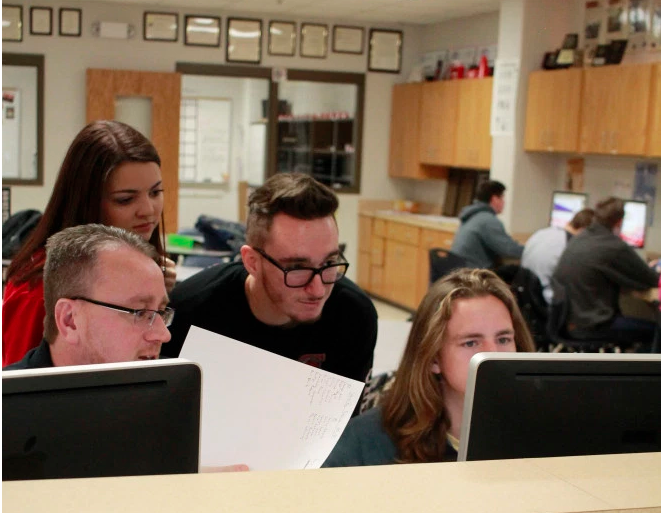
{"x": 607, "y": 483}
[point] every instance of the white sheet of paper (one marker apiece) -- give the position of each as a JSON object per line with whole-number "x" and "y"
{"x": 265, "y": 410}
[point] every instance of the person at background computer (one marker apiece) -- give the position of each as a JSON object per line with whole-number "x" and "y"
{"x": 543, "y": 249}
{"x": 481, "y": 238}
{"x": 105, "y": 299}
{"x": 111, "y": 174}
{"x": 289, "y": 295}
{"x": 593, "y": 269}
{"x": 419, "y": 420}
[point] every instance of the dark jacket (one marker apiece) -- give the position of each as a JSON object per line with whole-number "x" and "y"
{"x": 36, "y": 358}
{"x": 593, "y": 268}
{"x": 482, "y": 239}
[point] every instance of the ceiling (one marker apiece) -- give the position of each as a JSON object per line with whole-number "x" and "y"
{"x": 359, "y": 11}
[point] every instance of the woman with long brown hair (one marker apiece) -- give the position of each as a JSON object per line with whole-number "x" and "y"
{"x": 419, "y": 421}
{"x": 110, "y": 175}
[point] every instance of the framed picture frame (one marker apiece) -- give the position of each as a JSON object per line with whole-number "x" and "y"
{"x": 201, "y": 30}
{"x": 160, "y": 26}
{"x": 282, "y": 38}
{"x": 385, "y": 50}
{"x": 12, "y": 23}
{"x": 70, "y": 22}
{"x": 41, "y": 21}
{"x": 348, "y": 39}
{"x": 314, "y": 40}
{"x": 244, "y": 40}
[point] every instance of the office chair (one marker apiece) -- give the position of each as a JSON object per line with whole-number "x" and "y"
{"x": 556, "y": 329}
{"x": 442, "y": 262}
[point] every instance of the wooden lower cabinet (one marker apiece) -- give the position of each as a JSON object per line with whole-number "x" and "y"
{"x": 401, "y": 269}
{"x": 394, "y": 264}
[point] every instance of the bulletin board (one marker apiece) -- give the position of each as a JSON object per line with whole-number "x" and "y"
{"x": 205, "y": 140}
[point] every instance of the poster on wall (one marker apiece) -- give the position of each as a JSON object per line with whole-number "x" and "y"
{"x": 644, "y": 188}
{"x": 638, "y": 21}
{"x": 11, "y": 132}
{"x": 594, "y": 21}
{"x": 616, "y": 20}
{"x": 503, "y": 106}
{"x": 654, "y": 33}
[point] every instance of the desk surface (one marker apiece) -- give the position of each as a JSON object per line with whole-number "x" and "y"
{"x": 553, "y": 485}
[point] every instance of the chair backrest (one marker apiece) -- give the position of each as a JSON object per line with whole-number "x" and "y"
{"x": 558, "y": 312}
{"x": 442, "y": 262}
{"x": 527, "y": 289}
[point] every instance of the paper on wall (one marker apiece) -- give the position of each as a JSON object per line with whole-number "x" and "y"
{"x": 265, "y": 410}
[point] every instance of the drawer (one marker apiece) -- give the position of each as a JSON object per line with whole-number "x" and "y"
{"x": 436, "y": 239}
{"x": 379, "y": 228}
{"x": 376, "y": 252}
{"x": 403, "y": 233}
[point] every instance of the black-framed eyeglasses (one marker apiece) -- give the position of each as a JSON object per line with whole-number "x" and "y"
{"x": 296, "y": 277}
{"x": 142, "y": 316}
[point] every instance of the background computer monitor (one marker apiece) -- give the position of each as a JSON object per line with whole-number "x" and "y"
{"x": 564, "y": 205}
{"x": 133, "y": 418}
{"x": 634, "y": 224}
{"x": 535, "y": 405}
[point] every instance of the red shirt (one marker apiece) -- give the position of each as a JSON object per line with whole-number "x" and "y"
{"x": 23, "y": 315}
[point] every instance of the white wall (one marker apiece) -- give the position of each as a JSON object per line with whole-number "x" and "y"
{"x": 478, "y": 30}
{"x": 66, "y": 60}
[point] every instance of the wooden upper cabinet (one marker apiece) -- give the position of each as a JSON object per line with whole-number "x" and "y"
{"x": 616, "y": 109}
{"x": 553, "y": 109}
{"x": 654, "y": 139}
{"x": 473, "y": 124}
{"x": 404, "y": 130}
{"x": 438, "y": 122}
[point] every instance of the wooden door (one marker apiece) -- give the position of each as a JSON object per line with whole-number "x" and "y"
{"x": 654, "y": 129}
{"x": 438, "y": 122}
{"x": 164, "y": 90}
{"x": 473, "y": 125}
{"x": 404, "y": 126}
{"x": 615, "y": 110}
{"x": 552, "y": 110}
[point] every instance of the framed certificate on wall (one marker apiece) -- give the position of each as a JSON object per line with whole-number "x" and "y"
{"x": 244, "y": 40}
{"x": 314, "y": 40}
{"x": 385, "y": 52}
{"x": 348, "y": 39}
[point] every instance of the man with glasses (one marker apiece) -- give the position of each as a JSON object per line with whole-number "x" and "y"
{"x": 105, "y": 300}
{"x": 289, "y": 295}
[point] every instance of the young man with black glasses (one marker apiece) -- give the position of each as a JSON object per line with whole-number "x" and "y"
{"x": 289, "y": 295}
{"x": 105, "y": 300}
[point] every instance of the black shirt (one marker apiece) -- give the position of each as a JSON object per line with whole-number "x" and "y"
{"x": 36, "y": 358}
{"x": 342, "y": 341}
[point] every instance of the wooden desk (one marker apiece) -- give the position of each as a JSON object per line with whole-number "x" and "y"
{"x": 554, "y": 485}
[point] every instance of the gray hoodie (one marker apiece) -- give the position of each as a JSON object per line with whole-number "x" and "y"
{"x": 481, "y": 238}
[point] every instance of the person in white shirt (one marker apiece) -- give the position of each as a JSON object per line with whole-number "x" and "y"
{"x": 544, "y": 247}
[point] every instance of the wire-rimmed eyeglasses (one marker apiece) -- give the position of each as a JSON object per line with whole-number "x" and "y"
{"x": 141, "y": 316}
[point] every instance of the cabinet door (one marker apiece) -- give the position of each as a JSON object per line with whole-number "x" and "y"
{"x": 438, "y": 122}
{"x": 615, "y": 110}
{"x": 404, "y": 126}
{"x": 400, "y": 271}
{"x": 364, "y": 270}
{"x": 552, "y": 110}
{"x": 473, "y": 126}
{"x": 364, "y": 233}
{"x": 654, "y": 131}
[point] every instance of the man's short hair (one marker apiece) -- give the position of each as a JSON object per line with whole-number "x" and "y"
{"x": 582, "y": 219}
{"x": 609, "y": 212}
{"x": 71, "y": 256}
{"x": 296, "y": 194}
{"x": 488, "y": 189}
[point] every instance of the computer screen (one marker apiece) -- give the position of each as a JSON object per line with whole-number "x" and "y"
{"x": 634, "y": 224}
{"x": 537, "y": 405}
{"x": 134, "y": 418}
{"x": 564, "y": 205}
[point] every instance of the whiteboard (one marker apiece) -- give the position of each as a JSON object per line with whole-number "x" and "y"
{"x": 206, "y": 136}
